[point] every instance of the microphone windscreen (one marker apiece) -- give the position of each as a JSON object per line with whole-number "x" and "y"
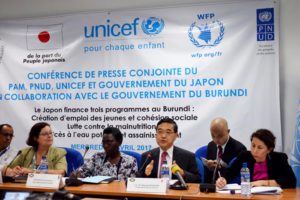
{"x": 175, "y": 168}
{"x": 87, "y": 147}
{"x": 73, "y": 182}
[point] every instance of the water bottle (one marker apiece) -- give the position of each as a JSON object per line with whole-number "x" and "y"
{"x": 43, "y": 168}
{"x": 165, "y": 171}
{"x": 245, "y": 180}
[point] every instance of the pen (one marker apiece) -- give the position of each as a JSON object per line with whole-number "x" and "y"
{"x": 219, "y": 174}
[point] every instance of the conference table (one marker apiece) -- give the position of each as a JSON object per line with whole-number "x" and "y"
{"x": 117, "y": 190}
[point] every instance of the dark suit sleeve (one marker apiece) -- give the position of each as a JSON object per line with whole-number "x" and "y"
{"x": 186, "y": 160}
{"x": 192, "y": 172}
{"x": 281, "y": 171}
{"x": 234, "y": 170}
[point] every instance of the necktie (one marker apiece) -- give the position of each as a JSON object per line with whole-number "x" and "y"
{"x": 220, "y": 151}
{"x": 162, "y": 159}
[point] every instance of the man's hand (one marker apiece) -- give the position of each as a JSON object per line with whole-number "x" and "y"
{"x": 75, "y": 174}
{"x": 211, "y": 164}
{"x": 149, "y": 168}
{"x": 180, "y": 170}
{"x": 221, "y": 182}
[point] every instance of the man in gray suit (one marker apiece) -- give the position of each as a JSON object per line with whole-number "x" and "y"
{"x": 166, "y": 134}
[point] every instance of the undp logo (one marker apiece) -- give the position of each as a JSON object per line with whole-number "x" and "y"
{"x": 208, "y": 34}
{"x": 153, "y": 26}
{"x": 265, "y": 24}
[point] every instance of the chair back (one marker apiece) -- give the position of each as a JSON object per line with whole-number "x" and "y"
{"x": 200, "y": 169}
{"x": 201, "y": 152}
{"x": 74, "y": 159}
{"x": 136, "y": 155}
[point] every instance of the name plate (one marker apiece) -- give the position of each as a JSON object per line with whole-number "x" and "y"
{"x": 43, "y": 180}
{"x": 147, "y": 185}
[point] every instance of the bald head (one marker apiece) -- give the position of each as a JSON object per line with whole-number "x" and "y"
{"x": 219, "y": 131}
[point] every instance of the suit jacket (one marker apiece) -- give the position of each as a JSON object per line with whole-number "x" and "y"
{"x": 277, "y": 164}
{"x": 232, "y": 150}
{"x": 56, "y": 158}
{"x": 186, "y": 161}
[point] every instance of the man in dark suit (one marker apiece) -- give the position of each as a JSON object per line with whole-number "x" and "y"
{"x": 222, "y": 147}
{"x": 166, "y": 134}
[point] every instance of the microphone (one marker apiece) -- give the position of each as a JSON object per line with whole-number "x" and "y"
{"x": 175, "y": 170}
{"x": 149, "y": 155}
{"x": 57, "y": 195}
{"x": 215, "y": 171}
{"x": 87, "y": 148}
{"x": 73, "y": 179}
{"x": 210, "y": 187}
{"x": 63, "y": 194}
{"x": 4, "y": 171}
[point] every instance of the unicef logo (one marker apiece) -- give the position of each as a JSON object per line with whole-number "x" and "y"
{"x": 152, "y": 26}
{"x": 265, "y": 16}
{"x": 206, "y": 35}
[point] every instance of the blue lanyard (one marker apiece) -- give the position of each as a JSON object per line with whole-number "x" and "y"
{"x": 4, "y": 151}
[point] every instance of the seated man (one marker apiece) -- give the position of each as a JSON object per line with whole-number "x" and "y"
{"x": 222, "y": 147}
{"x": 7, "y": 152}
{"x": 166, "y": 134}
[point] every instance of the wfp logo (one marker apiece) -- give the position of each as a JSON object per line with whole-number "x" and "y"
{"x": 153, "y": 26}
{"x": 208, "y": 34}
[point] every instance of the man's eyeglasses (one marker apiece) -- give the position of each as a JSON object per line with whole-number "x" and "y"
{"x": 163, "y": 132}
{"x": 7, "y": 135}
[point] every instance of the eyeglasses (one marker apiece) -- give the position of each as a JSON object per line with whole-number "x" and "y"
{"x": 7, "y": 135}
{"x": 164, "y": 132}
{"x": 46, "y": 134}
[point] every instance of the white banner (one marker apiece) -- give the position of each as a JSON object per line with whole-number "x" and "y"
{"x": 84, "y": 72}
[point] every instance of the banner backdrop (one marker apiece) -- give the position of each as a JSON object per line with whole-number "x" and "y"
{"x": 84, "y": 72}
{"x": 295, "y": 154}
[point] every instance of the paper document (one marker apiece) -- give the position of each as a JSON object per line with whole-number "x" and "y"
{"x": 254, "y": 190}
{"x": 266, "y": 190}
{"x": 98, "y": 179}
{"x": 233, "y": 186}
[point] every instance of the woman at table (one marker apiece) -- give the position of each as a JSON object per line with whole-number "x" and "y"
{"x": 40, "y": 141}
{"x": 111, "y": 162}
{"x": 267, "y": 168}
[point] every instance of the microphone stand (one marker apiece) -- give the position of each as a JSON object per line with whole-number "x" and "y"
{"x": 210, "y": 187}
{"x": 74, "y": 181}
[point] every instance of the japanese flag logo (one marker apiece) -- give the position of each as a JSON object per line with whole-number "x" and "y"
{"x": 45, "y": 37}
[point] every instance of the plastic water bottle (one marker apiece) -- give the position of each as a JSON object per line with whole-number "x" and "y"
{"x": 165, "y": 170}
{"x": 245, "y": 180}
{"x": 43, "y": 165}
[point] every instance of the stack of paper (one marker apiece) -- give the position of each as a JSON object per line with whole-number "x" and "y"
{"x": 266, "y": 190}
{"x": 254, "y": 190}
